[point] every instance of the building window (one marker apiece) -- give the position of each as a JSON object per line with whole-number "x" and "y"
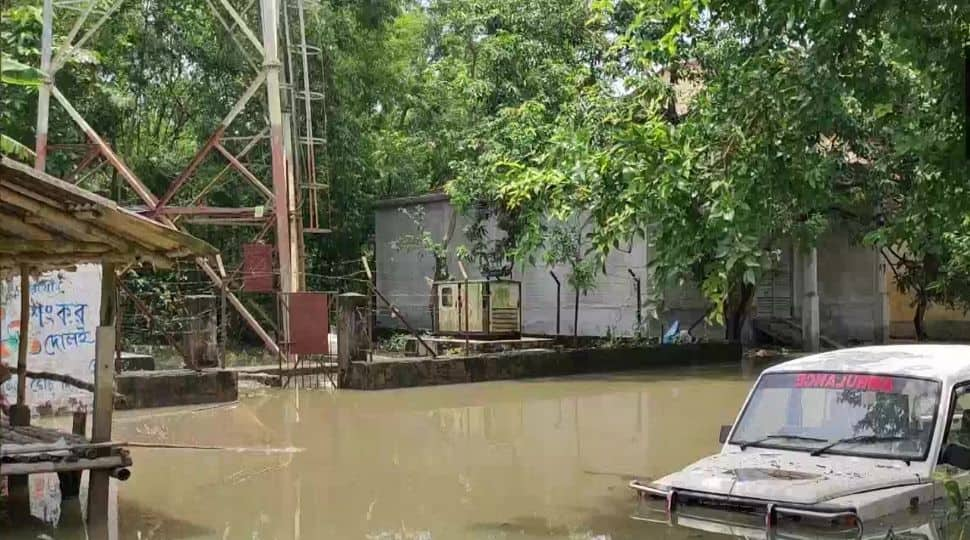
{"x": 447, "y": 297}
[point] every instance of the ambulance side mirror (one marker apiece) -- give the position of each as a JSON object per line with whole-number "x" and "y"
{"x": 956, "y": 455}
{"x": 725, "y": 433}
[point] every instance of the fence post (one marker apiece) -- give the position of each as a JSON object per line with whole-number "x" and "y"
{"x": 636, "y": 281}
{"x": 558, "y": 298}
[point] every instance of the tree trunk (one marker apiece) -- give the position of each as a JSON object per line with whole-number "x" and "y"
{"x": 921, "y": 305}
{"x": 441, "y": 270}
{"x": 736, "y": 310}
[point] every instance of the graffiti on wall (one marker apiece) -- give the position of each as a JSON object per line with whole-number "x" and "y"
{"x": 64, "y": 309}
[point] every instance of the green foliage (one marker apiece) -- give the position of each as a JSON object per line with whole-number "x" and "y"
{"x": 14, "y": 72}
{"x": 422, "y": 241}
{"x": 719, "y": 131}
{"x": 565, "y": 246}
{"x": 394, "y": 342}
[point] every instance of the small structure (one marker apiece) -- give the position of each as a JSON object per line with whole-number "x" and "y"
{"x": 201, "y": 344}
{"x": 478, "y": 307}
{"x": 48, "y": 224}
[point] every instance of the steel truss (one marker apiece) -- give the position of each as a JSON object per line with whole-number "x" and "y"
{"x": 293, "y": 188}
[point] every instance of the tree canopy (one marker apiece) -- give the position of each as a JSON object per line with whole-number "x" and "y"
{"x": 717, "y": 130}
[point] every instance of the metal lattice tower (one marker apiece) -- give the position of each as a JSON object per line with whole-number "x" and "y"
{"x": 295, "y": 189}
{"x": 300, "y": 61}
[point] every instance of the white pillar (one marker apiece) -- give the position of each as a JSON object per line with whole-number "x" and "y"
{"x": 44, "y": 92}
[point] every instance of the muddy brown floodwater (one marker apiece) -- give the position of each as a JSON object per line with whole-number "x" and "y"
{"x": 545, "y": 458}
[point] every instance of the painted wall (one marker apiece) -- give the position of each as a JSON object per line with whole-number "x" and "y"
{"x": 941, "y": 323}
{"x": 64, "y": 314}
{"x": 849, "y": 292}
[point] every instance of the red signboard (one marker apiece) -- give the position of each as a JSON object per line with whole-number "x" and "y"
{"x": 257, "y": 268}
{"x": 309, "y": 323}
{"x": 839, "y": 381}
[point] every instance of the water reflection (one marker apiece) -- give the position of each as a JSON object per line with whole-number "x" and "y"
{"x": 509, "y": 460}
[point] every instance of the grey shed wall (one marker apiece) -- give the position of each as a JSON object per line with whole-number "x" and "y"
{"x": 609, "y": 308}
{"x": 851, "y": 302}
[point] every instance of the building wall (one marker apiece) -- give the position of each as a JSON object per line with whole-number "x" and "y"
{"x": 610, "y": 308}
{"x": 848, "y": 290}
{"x": 941, "y": 323}
{"x": 403, "y": 274}
{"x": 850, "y": 297}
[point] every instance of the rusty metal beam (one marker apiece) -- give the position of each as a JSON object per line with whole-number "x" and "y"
{"x": 232, "y": 36}
{"x": 147, "y": 197}
{"x": 236, "y": 164}
{"x": 282, "y": 184}
{"x": 213, "y": 139}
{"x": 182, "y": 178}
{"x": 215, "y": 179}
{"x": 210, "y": 211}
{"x": 244, "y": 27}
{"x": 64, "y": 54}
{"x": 78, "y": 24}
{"x": 89, "y": 157}
{"x": 136, "y": 184}
{"x": 90, "y": 173}
{"x": 268, "y": 340}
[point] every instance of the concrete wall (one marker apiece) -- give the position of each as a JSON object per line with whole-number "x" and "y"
{"x": 402, "y": 274}
{"x": 531, "y": 364}
{"x": 609, "y": 308}
{"x": 850, "y": 296}
{"x": 941, "y": 323}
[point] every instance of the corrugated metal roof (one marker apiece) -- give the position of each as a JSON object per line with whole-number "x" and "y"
{"x": 412, "y": 201}
{"x": 47, "y": 224}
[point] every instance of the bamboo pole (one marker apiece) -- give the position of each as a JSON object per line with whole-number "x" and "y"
{"x": 20, "y": 414}
{"x": 131, "y": 444}
{"x": 98, "y": 480}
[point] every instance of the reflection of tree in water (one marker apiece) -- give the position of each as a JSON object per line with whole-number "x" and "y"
{"x": 886, "y": 416}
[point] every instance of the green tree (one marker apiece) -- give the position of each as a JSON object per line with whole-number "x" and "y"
{"x": 719, "y": 131}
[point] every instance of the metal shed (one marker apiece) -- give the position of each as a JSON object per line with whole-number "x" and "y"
{"x": 478, "y": 307}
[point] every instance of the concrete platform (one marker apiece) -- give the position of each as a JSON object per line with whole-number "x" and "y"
{"x": 137, "y": 362}
{"x": 271, "y": 375}
{"x": 166, "y": 388}
{"x": 407, "y": 372}
{"x": 442, "y": 344}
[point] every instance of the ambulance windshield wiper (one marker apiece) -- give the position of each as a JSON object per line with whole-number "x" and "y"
{"x": 766, "y": 438}
{"x": 862, "y": 439}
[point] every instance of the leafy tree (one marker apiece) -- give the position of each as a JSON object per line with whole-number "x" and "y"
{"x": 566, "y": 246}
{"x": 424, "y": 241}
{"x": 719, "y": 131}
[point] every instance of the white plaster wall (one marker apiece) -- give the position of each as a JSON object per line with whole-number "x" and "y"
{"x": 849, "y": 295}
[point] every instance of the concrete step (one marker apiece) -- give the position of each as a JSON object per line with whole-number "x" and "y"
{"x": 788, "y": 333}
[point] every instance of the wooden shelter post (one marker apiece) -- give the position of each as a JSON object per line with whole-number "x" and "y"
{"x": 99, "y": 479}
{"x": 20, "y": 413}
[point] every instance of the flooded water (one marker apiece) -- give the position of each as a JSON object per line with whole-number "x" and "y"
{"x": 507, "y": 460}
